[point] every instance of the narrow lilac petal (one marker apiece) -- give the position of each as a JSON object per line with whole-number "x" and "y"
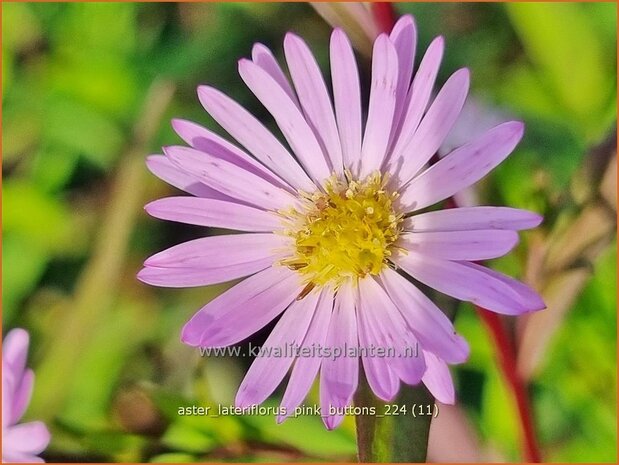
{"x": 347, "y": 98}
{"x": 462, "y": 167}
{"x": 230, "y": 179}
{"x": 167, "y": 171}
{"x": 214, "y": 259}
{"x": 473, "y": 218}
{"x": 266, "y": 372}
{"x": 435, "y": 125}
{"x": 8, "y": 382}
{"x": 314, "y": 97}
{"x": 243, "y": 309}
{"x": 434, "y": 330}
{"x": 438, "y": 379}
{"x": 331, "y": 418}
{"x": 481, "y": 244}
{"x": 525, "y": 294}
{"x": 339, "y": 376}
{"x": 473, "y": 283}
{"x": 263, "y": 57}
{"x": 217, "y": 251}
{"x": 306, "y": 367}
{"x": 404, "y": 38}
{"x": 381, "y": 379}
{"x": 252, "y": 134}
{"x": 289, "y": 118}
{"x": 15, "y": 351}
{"x": 27, "y": 438}
{"x": 384, "y": 317}
{"x": 195, "y": 277}
{"x": 381, "y": 106}
{"x": 213, "y": 213}
{"x": 207, "y": 141}
{"x": 416, "y": 100}
{"x": 21, "y": 396}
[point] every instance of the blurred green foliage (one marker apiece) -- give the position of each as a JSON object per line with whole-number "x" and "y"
{"x": 75, "y": 78}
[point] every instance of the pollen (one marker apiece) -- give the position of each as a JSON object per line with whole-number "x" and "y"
{"x": 345, "y": 231}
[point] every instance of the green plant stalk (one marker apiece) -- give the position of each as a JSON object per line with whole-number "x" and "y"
{"x": 402, "y": 437}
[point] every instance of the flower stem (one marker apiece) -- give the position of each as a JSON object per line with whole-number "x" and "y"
{"x": 385, "y": 436}
{"x": 507, "y": 363}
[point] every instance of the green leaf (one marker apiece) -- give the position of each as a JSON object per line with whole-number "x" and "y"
{"x": 563, "y": 44}
{"x": 306, "y": 433}
{"x": 174, "y": 457}
{"x": 39, "y": 218}
{"x": 183, "y": 437}
{"x": 23, "y": 265}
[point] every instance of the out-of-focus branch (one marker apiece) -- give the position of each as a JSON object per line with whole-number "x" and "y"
{"x": 561, "y": 263}
{"x": 93, "y": 295}
{"x": 353, "y": 17}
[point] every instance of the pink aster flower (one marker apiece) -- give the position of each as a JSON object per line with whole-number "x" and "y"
{"x": 20, "y": 442}
{"x": 334, "y": 225}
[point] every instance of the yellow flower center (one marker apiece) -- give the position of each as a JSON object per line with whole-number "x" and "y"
{"x": 344, "y": 232}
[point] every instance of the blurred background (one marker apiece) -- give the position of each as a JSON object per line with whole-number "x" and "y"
{"x": 88, "y": 92}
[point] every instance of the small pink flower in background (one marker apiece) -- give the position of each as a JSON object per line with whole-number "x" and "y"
{"x": 20, "y": 442}
{"x": 333, "y": 232}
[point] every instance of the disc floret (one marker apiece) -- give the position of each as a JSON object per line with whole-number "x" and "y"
{"x": 345, "y": 231}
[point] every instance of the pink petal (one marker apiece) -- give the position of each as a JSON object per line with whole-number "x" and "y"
{"x": 416, "y": 101}
{"x": 347, "y": 98}
{"x": 250, "y": 133}
{"x": 404, "y": 38}
{"x": 381, "y": 107}
{"x": 217, "y": 251}
{"x": 289, "y": 119}
{"x": 195, "y": 277}
{"x": 306, "y": 367}
{"x": 8, "y": 388}
{"x": 207, "y": 141}
{"x": 213, "y": 213}
{"x": 381, "y": 379}
{"x": 472, "y": 283}
{"x": 339, "y": 376}
{"x": 473, "y": 218}
{"x": 10, "y": 456}
{"x": 266, "y": 372}
{"x": 462, "y": 167}
{"x": 243, "y": 309}
{"x": 167, "y": 171}
{"x": 230, "y": 179}
{"x": 396, "y": 336}
{"x": 314, "y": 97}
{"x": 15, "y": 351}
{"x": 21, "y": 396}
{"x": 438, "y": 379}
{"x": 435, "y": 125}
{"x": 27, "y": 438}
{"x": 461, "y": 245}
{"x": 263, "y": 57}
{"x": 433, "y": 329}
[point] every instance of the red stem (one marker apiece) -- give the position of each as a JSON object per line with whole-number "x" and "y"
{"x": 506, "y": 352}
{"x": 384, "y": 16}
